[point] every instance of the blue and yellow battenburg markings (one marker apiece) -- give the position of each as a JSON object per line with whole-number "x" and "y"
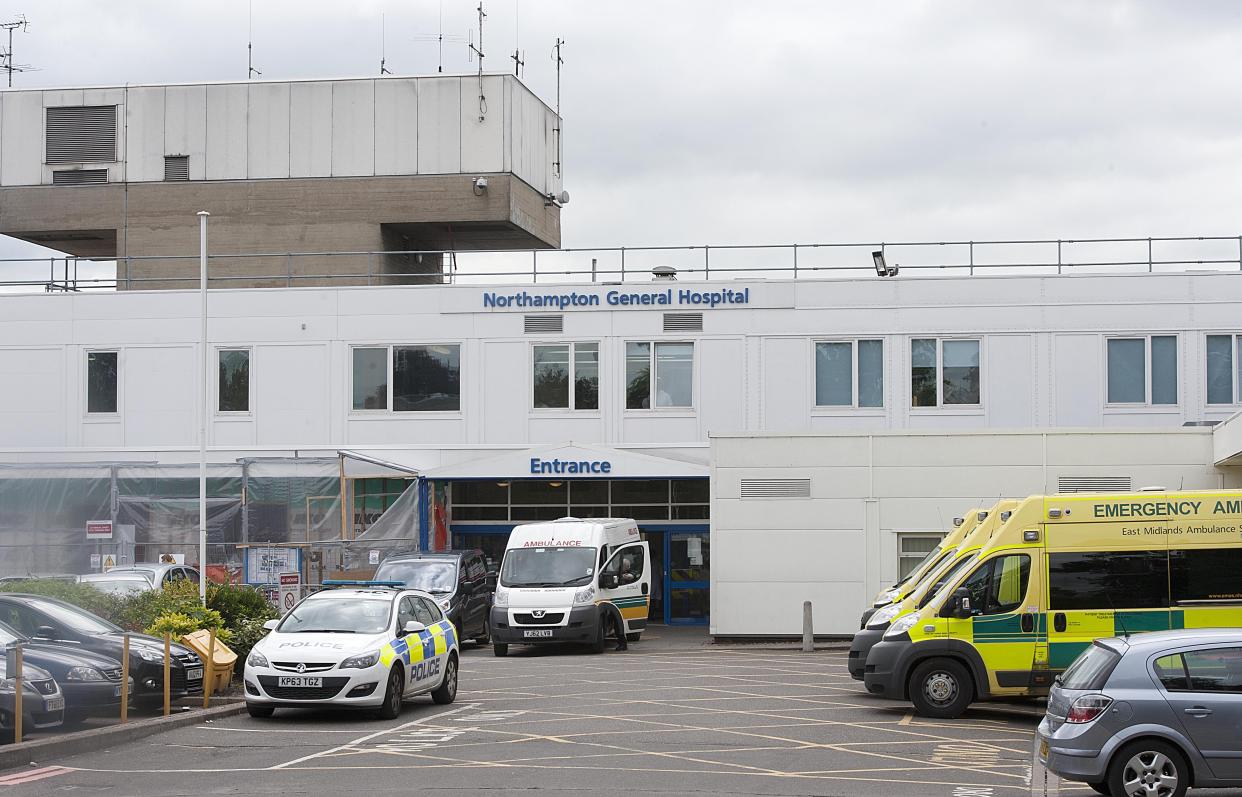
{"x": 413, "y": 648}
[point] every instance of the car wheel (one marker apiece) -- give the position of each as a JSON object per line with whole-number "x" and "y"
{"x": 941, "y": 688}
{"x": 446, "y": 692}
{"x": 1149, "y": 767}
{"x": 255, "y": 710}
{"x": 633, "y": 637}
{"x": 500, "y": 650}
{"x": 390, "y": 709}
{"x": 487, "y": 632}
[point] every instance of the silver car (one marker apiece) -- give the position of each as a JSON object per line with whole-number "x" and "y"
{"x": 1151, "y": 714}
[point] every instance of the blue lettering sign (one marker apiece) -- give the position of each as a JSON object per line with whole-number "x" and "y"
{"x": 539, "y": 466}
{"x": 575, "y": 300}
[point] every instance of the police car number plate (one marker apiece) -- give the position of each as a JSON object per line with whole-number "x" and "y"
{"x": 304, "y": 681}
{"x": 540, "y": 633}
{"x": 53, "y": 704}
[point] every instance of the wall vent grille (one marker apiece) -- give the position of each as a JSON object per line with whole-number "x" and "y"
{"x": 81, "y": 134}
{"x": 683, "y": 322}
{"x": 543, "y": 324}
{"x": 1094, "y": 484}
{"x": 176, "y": 167}
{"x": 776, "y": 488}
{"x": 80, "y": 177}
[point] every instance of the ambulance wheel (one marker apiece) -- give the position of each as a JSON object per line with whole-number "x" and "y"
{"x": 390, "y": 709}
{"x": 255, "y": 710}
{"x": 601, "y": 635}
{"x": 500, "y": 650}
{"x": 941, "y": 688}
{"x": 1149, "y": 766}
{"x": 633, "y": 637}
{"x": 446, "y": 692}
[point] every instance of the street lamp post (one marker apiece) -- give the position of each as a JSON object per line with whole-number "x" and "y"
{"x": 202, "y": 421}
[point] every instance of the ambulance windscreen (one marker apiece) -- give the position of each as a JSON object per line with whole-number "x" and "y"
{"x": 548, "y": 567}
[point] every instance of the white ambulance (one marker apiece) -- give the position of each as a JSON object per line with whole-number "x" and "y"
{"x": 557, "y": 578}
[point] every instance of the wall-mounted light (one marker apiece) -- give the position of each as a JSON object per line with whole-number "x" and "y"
{"x": 480, "y": 186}
{"x": 882, "y": 268}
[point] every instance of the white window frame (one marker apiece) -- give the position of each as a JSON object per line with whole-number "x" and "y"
{"x": 1148, "y": 375}
{"x": 249, "y": 383}
{"x": 388, "y": 412}
{"x": 651, "y": 395}
{"x": 941, "y": 408}
{"x": 852, "y": 408}
{"x": 86, "y": 384}
{"x": 904, "y": 535}
{"x": 573, "y": 393}
{"x": 1235, "y": 339}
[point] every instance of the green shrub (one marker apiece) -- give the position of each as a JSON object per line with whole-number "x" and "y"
{"x": 143, "y": 609}
{"x": 179, "y": 623}
{"x": 237, "y": 604}
{"x": 85, "y": 596}
{"x": 245, "y": 636}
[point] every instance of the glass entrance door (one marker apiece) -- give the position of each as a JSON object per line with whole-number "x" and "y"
{"x": 687, "y": 556}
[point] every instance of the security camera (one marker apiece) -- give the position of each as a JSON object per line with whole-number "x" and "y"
{"x": 560, "y": 200}
{"x": 480, "y": 186}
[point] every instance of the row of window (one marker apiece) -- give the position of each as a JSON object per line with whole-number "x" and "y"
{"x": 848, "y": 374}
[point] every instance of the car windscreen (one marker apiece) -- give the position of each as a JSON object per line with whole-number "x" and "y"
{"x": 437, "y": 576}
{"x": 8, "y": 636}
{"x": 76, "y": 619}
{"x": 1091, "y": 669}
{"x": 344, "y": 614}
{"x": 936, "y": 585}
{"x": 121, "y": 585}
{"x": 548, "y": 567}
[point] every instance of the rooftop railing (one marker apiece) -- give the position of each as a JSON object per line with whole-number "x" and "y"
{"x": 631, "y": 264}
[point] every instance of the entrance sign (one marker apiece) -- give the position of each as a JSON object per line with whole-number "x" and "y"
{"x": 99, "y": 529}
{"x": 290, "y": 590}
{"x": 538, "y": 466}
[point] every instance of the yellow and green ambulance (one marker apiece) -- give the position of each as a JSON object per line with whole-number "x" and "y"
{"x": 1062, "y": 571}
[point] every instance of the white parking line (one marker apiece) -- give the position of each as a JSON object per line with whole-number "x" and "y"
{"x": 370, "y": 736}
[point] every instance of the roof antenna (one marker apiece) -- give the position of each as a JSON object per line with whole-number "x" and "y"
{"x": 519, "y": 58}
{"x": 440, "y": 39}
{"x": 6, "y": 57}
{"x": 479, "y": 52}
{"x": 250, "y": 70}
{"x": 383, "y": 46}
{"x": 556, "y": 56}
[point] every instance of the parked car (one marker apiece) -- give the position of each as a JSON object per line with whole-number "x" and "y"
{"x": 43, "y": 704}
{"x": 46, "y": 619}
{"x": 1150, "y": 714}
{"x": 458, "y": 580}
{"x": 158, "y": 573}
{"x": 37, "y": 577}
{"x": 90, "y": 683}
{"x": 122, "y": 584}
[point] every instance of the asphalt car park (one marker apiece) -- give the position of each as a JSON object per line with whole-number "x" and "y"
{"x": 670, "y": 715}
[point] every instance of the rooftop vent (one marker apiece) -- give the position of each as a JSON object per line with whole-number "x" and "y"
{"x": 79, "y": 177}
{"x": 683, "y": 322}
{"x": 81, "y": 134}
{"x": 1094, "y": 484}
{"x": 176, "y": 167}
{"x": 664, "y": 274}
{"x": 543, "y": 324}
{"x": 776, "y": 488}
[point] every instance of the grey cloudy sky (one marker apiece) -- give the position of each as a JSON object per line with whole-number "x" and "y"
{"x": 774, "y": 122}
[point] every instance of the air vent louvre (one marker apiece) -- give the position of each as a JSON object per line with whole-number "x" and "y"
{"x": 543, "y": 324}
{"x": 81, "y": 134}
{"x": 80, "y": 177}
{"x": 776, "y": 488}
{"x": 176, "y": 167}
{"x": 683, "y": 322}
{"x": 1094, "y": 484}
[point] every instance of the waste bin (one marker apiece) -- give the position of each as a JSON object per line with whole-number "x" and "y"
{"x": 222, "y": 664}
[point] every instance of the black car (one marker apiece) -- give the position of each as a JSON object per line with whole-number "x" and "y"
{"x": 43, "y": 704}
{"x": 458, "y": 580}
{"x": 91, "y": 683}
{"x": 46, "y": 619}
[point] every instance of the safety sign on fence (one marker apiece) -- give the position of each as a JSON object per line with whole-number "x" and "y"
{"x": 290, "y": 590}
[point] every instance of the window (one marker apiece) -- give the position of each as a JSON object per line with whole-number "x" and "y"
{"x": 944, "y": 372}
{"x": 673, "y": 365}
{"x": 1102, "y": 580}
{"x": 627, "y": 565}
{"x": 101, "y": 380}
{"x": 81, "y": 134}
{"x": 234, "y": 387}
{"x": 849, "y": 373}
{"x": 553, "y": 387}
{"x": 913, "y": 550}
{"x": 370, "y": 379}
{"x": 1130, "y": 360}
{"x": 1224, "y": 369}
{"x": 1212, "y": 670}
{"x": 999, "y": 585}
{"x": 426, "y": 378}
{"x": 1205, "y": 575}
{"x": 405, "y": 613}
{"x": 422, "y": 612}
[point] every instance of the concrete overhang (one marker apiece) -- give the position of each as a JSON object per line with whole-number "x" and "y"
{"x": 1227, "y": 442}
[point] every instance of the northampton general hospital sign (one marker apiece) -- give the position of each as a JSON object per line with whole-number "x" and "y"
{"x": 617, "y": 299}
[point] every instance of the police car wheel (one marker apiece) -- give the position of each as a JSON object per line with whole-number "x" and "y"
{"x": 941, "y": 688}
{"x": 390, "y": 709}
{"x": 446, "y": 692}
{"x": 259, "y": 711}
{"x": 500, "y": 650}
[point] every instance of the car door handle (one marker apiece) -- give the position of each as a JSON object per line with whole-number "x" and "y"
{"x": 1058, "y": 622}
{"x": 1198, "y": 711}
{"x": 645, "y": 589}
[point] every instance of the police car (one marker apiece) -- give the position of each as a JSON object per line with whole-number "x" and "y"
{"x": 356, "y": 644}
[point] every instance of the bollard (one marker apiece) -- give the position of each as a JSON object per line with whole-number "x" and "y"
{"x": 167, "y": 674}
{"x": 125, "y": 679}
{"x": 209, "y": 673}
{"x": 808, "y": 629}
{"x": 19, "y": 686}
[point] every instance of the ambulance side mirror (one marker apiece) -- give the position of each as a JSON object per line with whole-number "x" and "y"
{"x": 609, "y": 581}
{"x": 961, "y": 603}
